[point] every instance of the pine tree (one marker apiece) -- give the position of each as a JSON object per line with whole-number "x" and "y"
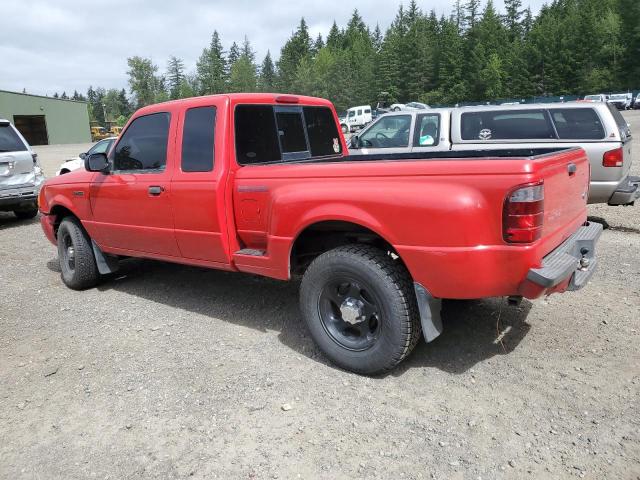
{"x": 175, "y": 76}
{"x": 211, "y": 68}
{"x": 234, "y": 54}
{"x": 293, "y": 51}
{"x": 267, "y": 74}
{"x": 335, "y": 38}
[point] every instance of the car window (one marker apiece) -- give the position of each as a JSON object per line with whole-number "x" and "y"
{"x": 101, "y": 147}
{"x": 359, "y": 112}
{"x": 143, "y": 146}
{"x": 388, "y": 132}
{"x": 256, "y": 135}
{"x": 623, "y": 127}
{"x": 198, "y": 139}
{"x": 578, "y": 123}
{"x": 293, "y": 141}
{"x": 323, "y": 134}
{"x": 506, "y": 125}
{"x": 352, "y": 113}
{"x": 367, "y": 110}
{"x": 9, "y": 139}
{"x": 427, "y": 130}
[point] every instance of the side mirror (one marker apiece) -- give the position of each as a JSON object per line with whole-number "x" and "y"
{"x": 355, "y": 142}
{"x": 96, "y": 162}
{"x": 82, "y": 156}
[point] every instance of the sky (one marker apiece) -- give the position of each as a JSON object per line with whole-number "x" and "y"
{"x": 54, "y": 46}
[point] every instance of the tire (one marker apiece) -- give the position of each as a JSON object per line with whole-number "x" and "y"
{"x": 26, "y": 213}
{"x": 396, "y": 109}
{"x": 77, "y": 262}
{"x": 344, "y": 128}
{"x": 371, "y": 286}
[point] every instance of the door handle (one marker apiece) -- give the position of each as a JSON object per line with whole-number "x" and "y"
{"x": 155, "y": 190}
{"x": 572, "y": 169}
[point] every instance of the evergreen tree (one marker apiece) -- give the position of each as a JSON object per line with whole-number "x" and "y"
{"x": 267, "y": 74}
{"x": 175, "y": 77}
{"x": 243, "y": 75}
{"x": 211, "y": 68}
{"x": 293, "y": 51}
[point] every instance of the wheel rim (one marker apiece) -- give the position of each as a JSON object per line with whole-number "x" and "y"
{"x": 68, "y": 252}
{"x": 350, "y": 313}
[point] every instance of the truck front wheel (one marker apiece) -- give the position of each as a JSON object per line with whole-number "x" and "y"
{"x": 360, "y": 308}
{"x": 75, "y": 253}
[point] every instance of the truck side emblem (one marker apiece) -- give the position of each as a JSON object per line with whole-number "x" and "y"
{"x": 485, "y": 134}
{"x": 336, "y": 145}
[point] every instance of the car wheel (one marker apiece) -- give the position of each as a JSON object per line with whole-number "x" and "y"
{"x": 345, "y": 129}
{"x": 396, "y": 109}
{"x": 77, "y": 261}
{"x": 26, "y": 213}
{"x": 360, "y": 308}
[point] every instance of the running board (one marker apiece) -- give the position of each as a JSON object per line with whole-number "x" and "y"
{"x": 251, "y": 252}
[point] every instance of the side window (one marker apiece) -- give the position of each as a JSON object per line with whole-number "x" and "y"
{"x": 352, "y": 113}
{"x": 9, "y": 139}
{"x": 143, "y": 146}
{"x": 506, "y": 125}
{"x": 578, "y": 124}
{"x": 359, "y": 112}
{"x": 256, "y": 135}
{"x": 367, "y": 110}
{"x": 293, "y": 140}
{"x": 388, "y": 132}
{"x": 101, "y": 147}
{"x": 323, "y": 134}
{"x": 198, "y": 139}
{"x": 427, "y": 130}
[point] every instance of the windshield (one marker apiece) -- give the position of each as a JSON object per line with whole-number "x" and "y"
{"x": 9, "y": 140}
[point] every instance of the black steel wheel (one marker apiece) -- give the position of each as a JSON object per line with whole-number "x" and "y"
{"x": 360, "y": 308}
{"x": 77, "y": 261}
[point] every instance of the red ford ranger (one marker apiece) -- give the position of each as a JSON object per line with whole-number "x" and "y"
{"x": 263, "y": 183}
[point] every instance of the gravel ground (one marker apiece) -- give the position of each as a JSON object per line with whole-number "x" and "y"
{"x": 174, "y": 372}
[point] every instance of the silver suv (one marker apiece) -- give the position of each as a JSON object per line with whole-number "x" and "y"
{"x": 20, "y": 173}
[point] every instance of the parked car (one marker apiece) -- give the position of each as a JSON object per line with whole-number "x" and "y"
{"x": 622, "y": 101}
{"x": 636, "y": 105}
{"x": 72, "y": 164}
{"x": 600, "y": 97}
{"x": 379, "y": 240}
{"x": 396, "y": 107}
{"x": 20, "y": 174}
{"x": 357, "y": 118}
{"x": 598, "y": 127}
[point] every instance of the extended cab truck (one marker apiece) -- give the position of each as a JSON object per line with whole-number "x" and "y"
{"x": 598, "y": 128}
{"x": 261, "y": 183}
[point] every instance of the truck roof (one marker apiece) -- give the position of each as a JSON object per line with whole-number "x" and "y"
{"x": 236, "y": 98}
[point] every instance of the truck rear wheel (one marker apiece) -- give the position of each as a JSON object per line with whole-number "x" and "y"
{"x": 360, "y": 308}
{"x": 77, "y": 261}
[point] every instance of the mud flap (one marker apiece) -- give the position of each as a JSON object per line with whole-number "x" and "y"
{"x": 429, "y": 308}
{"x": 106, "y": 263}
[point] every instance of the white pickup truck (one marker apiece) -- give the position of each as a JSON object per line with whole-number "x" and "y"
{"x": 598, "y": 128}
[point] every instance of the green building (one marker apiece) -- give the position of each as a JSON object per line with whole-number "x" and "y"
{"x": 46, "y": 120}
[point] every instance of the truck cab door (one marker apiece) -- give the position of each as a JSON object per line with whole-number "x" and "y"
{"x": 389, "y": 134}
{"x": 198, "y": 184}
{"x": 430, "y": 133}
{"x": 131, "y": 205}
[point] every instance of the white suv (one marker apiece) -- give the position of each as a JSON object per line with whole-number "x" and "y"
{"x": 20, "y": 174}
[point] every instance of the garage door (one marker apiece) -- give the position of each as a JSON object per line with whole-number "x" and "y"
{"x": 33, "y": 128}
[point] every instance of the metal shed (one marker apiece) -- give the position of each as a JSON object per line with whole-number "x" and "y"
{"x": 46, "y": 120}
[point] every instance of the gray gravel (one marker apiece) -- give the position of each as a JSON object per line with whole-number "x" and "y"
{"x": 174, "y": 372}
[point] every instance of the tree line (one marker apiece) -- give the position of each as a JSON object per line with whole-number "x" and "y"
{"x": 474, "y": 54}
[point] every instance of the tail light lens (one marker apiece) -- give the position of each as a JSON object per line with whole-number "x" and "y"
{"x": 523, "y": 214}
{"x": 613, "y": 158}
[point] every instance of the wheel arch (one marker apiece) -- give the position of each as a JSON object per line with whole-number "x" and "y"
{"x": 321, "y": 235}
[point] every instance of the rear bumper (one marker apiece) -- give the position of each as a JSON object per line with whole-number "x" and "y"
{"x": 21, "y": 196}
{"x": 568, "y": 267}
{"x": 627, "y": 192}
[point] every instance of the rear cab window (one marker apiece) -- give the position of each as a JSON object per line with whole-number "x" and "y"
{"x": 577, "y": 124}
{"x": 269, "y": 134}
{"x": 506, "y": 125}
{"x": 9, "y": 139}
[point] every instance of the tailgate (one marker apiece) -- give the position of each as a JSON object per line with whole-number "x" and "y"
{"x": 566, "y": 188}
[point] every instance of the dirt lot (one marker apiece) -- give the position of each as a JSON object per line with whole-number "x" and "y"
{"x": 175, "y": 372}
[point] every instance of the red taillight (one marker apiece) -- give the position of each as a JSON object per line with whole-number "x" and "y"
{"x": 613, "y": 158}
{"x": 523, "y": 214}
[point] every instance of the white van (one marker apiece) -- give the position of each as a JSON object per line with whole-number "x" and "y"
{"x": 356, "y": 118}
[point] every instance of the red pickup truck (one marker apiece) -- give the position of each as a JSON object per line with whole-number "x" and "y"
{"x": 262, "y": 183}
